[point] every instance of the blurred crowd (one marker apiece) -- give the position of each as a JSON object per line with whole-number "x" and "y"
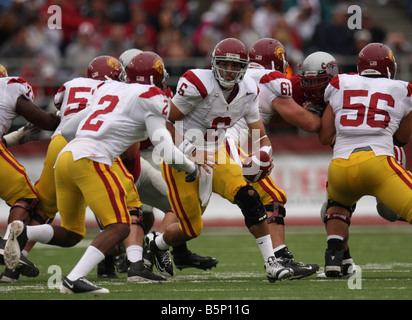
{"x": 183, "y": 32}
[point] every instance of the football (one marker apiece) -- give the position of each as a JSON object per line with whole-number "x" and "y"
{"x": 256, "y": 166}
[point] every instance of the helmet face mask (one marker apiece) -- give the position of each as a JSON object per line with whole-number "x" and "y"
{"x": 230, "y": 61}
{"x": 377, "y": 60}
{"x": 106, "y": 68}
{"x": 316, "y": 72}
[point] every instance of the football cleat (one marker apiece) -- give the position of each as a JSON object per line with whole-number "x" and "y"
{"x": 348, "y": 268}
{"x": 300, "y": 270}
{"x": 333, "y": 263}
{"x": 12, "y": 247}
{"x": 148, "y": 258}
{"x": 106, "y": 269}
{"x": 162, "y": 259}
{"x": 121, "y": 263}
{"x": 193, "y": 260}
{"x": 9, "y": 276}
{"x": 138, "y": 272}
{"x": 81, "y": 285}
{"x": 275, "y": 271}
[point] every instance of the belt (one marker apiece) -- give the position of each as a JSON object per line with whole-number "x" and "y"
{"x": 367, "y": 148}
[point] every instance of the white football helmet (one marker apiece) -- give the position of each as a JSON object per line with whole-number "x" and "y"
{"x": 316, "y": 72}
{"x": 128, "y": 55}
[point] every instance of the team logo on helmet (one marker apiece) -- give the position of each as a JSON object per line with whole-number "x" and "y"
{"x": 3, "y": 71}
{"x": 158, "y": 65}
{"x": 390, "y": 55}
{"x": 280, "y": 53}
{"x": 113, "y": 63}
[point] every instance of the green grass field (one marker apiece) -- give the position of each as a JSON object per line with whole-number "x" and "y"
{"x": 383, "y": 253}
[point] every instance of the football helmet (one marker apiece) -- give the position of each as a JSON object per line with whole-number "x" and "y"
{"x": 268, "y": 53}
{"x": 147, "y": 68}
{"x": 316, "y": 72}
{"x": 376, "y": 59}
{"x": 3, "y": 71}
{"x": 229, "y": 51}
{"x": 128, "y": 55}
{"x": 105, "y": 68}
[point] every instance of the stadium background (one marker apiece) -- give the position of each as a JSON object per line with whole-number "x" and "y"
{"x": 184, "y": 33}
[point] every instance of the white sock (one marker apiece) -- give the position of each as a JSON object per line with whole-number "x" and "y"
{"x": 134, "y": 253}
{"x": 42, "y": 233}
{"x": 161, "y": 244}
{"x": 87, "y": 262}
{"x": 334, "y": 236}
{"x": 265, "y": 246}
{"x": 279, "y": 248}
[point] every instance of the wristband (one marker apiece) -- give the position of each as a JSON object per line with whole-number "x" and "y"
{"x": 187, "y": 148}
{"x": 13, "y": 138}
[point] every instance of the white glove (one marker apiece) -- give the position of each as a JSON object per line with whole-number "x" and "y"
{"x": 27, "y": 133}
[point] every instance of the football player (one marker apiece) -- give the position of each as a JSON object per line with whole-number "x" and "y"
{"x": 268, "y": 67}
{"x": 207, "y": 102}
{"x": 149, "y": 181}
{"x": 18, "y": 192}
{"x": 71, "y": 98}
{"x": 119, "y": 115}
{"x": 316, "y": 71}
{"x": 366, "y": 113}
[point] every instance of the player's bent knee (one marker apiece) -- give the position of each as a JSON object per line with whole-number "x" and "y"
{"x": 248, "y": 200}
{"x": 278, "y": 213}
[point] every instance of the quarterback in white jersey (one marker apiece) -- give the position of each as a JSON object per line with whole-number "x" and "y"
{"x": 267, "y": 68}
{"x": 366, "y": 113}
{"x": 208, "y": 102}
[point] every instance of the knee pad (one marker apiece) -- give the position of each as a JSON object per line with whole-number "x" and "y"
{"x": 30, "y": 205}
{"x": 248, "y": 200}
{"x": 339, "y": 216}
{"x": 136, "y": 216}
{"x": 279, "y": 212}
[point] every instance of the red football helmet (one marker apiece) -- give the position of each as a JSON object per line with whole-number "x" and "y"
{"x": 270, "y": 54}
{"x": 105, "y": 68}
{"x": 376, "y": 59}
{"x": 147, "y": 68}
{"x": 229, "y": 50}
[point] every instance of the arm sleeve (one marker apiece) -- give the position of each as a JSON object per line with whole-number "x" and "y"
{"x": 162, "y": 140}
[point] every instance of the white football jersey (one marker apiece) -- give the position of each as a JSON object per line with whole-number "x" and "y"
{"x": 207, "y": 112}
{"x": 116, "y": 119}
{"x": 367, "y": 112}
{"x": 11, "y": 88}
{"x": 272, "y": 84}
{"x": 73, "y": 96}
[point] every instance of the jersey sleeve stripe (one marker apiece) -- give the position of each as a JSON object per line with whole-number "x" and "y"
{"x": 335, "y": 82}
{"x": 272, "y": 76}
{"x": 193, "y": 79}
{"x": 153, "y": 91}
{"x": 409, "y": 90}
